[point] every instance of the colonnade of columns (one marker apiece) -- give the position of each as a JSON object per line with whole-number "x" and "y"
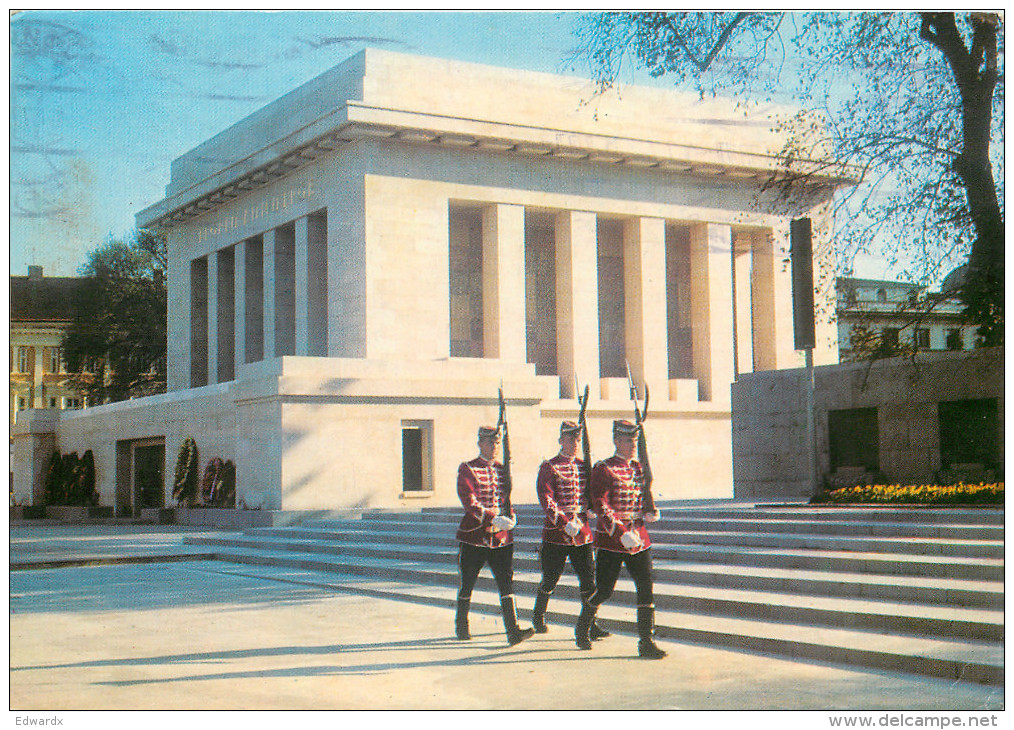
{"x": 708, "y": 279}
{"x": 262, "y": 297}
{"x": 680, "y": 302}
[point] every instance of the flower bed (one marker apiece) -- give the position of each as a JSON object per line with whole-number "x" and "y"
{"x": 914, "y": 494}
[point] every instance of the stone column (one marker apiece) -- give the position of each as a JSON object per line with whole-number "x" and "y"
{"x": 503, "y": 282}
{"x": 742, "y": 266}
{"x": 711, "y": 309}
{"x": 212, "y": 317}
{"x": 239, "y": 310}
{"x": 647, "y": 333}
{"x": 783, "y": 349}
{"x": 577, "y": 300}
{"x": 301, "y": 282}
{"x": 269, "y": 293}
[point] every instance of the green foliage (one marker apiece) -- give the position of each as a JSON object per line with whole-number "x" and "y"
{"x": 218, "y": 487}
{"x": 70, "y": 481}
{"x": 117, "y": 338}
{"x": 185, "y": 480}
{"x": 914, "y": 494}
{"x": 913, "y": 102}
{"x": 54, "y": 490}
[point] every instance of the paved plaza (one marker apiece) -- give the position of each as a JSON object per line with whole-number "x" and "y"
{"x": 207, "y": 635}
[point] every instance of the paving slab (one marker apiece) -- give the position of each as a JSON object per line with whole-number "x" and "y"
{"x": 147, "y": 625}
{"x": 209, "y": 636}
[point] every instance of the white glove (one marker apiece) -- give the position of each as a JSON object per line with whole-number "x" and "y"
{"x": 631, "y": 540}
{"x": 573, "y": 527}
{"x": 653, "y": 516}
{"x": 503, "y": 523}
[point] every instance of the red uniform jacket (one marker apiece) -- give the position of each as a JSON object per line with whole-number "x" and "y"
{"x": 617, "y": 498}
{"x": 561, "y": 490}
{"x": 481, "y": 491}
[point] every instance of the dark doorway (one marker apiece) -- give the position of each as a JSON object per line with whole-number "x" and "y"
{"x": 411, "y": 460}
{"x": 854, "y": 438}
{"x": 149, "y": 466}
{"x": 968, "y": 432}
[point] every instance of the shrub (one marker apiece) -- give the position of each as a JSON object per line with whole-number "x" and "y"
{"x": 185, "y": 481}
{"x": 218, "y": 487}
{"x": 914, "y": 494}
{"x": 54, "y": 492}
{"x": 70, "y": 481}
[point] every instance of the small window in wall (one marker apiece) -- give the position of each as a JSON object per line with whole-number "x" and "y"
{"x": 52, "y": 403}
{"x": 968, "y": 432}
{"x": 854, "y": 438}
{"x": 889, "y": 336}
{"x": 416, "y": 456}
{"x": 922, "y": 338}
{"x": 22, "y": 359}
{"x": 71, "y": 402}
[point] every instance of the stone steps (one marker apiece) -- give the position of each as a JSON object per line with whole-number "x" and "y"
{"x": 928, "y": 601}
{"x": 952, "y": 659}
{"x": 971, "y": 593}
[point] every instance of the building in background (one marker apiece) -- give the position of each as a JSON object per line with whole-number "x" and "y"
{"x": 40, "y": 315}
{"x": 903, "y": 316}
{"x": 357, "y": 267}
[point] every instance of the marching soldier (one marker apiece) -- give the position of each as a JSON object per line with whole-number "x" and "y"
{"x": 561, "y": 486}
{"x": 621, "y": 538}
{"x": 484, "y": 536}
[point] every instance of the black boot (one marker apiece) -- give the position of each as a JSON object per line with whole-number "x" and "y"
{"x": 584, "y": 624}
{"x": 539, "y": 612}
{"x": 461, "y": 620}
{"x": 646, "y": 647}
{"x": 597, "y": 632}
{"x": 515, "y": 634}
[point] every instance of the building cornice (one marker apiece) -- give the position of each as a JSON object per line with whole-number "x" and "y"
{"x": 357, "y": 121}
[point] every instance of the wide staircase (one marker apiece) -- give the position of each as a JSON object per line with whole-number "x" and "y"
{"x": 916, "y": 590}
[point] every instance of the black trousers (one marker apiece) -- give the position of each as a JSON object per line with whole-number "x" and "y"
{"x": 471, "y": 558}
{"x": 553, "y": 559}
{"x": 607, "y": 570}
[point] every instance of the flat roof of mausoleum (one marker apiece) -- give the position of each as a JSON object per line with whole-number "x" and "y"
{"x": 413, "y": 99}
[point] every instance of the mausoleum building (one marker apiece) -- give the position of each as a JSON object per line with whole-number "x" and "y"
{"x": 356, "y": 268}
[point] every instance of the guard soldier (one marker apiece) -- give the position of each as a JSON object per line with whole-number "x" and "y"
{"x": 561, "y": 486}
{"x": 484, "y": 536}
{"x": 621, "y": 538}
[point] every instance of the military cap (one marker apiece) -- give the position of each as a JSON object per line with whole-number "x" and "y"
{"x": 625, "y": 428}
{"x": 569, "y": 428}
{"x": 489, "y": 432}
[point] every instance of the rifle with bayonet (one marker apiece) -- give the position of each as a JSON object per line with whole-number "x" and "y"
{"x": 640, "y": 415}
{"x": 582, "y": 421}
{"x": 501, "y": 425}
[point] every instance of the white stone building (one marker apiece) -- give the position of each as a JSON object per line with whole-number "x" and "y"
{"x": 355, "y": 268}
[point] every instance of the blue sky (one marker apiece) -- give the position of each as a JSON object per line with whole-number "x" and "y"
{"x": 103, "y": 101}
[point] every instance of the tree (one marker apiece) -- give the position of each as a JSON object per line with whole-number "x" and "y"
{"x": 913, "y": 101}
{"x": 116, "y": 342}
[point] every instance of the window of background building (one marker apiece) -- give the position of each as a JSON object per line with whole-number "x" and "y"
{"x": 889, "y": 336}
{"x": 922, "y": 338}
{"x": 56, "y": 360}
{"x": 953, "y": 341}
{"x": 881, "y": 295}
{"x": 22, "y": 359}
{"x": 52, "y": 403}
{"x": 21, "y": 403}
